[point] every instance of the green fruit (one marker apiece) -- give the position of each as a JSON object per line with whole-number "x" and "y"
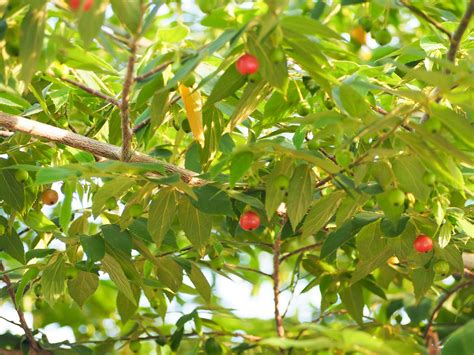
{"x": 281, "y": 182}
{"x": 161, "y": 340}
{"x": 331, "y": 297}
{"x": 383, "y": 37}
{"x": 135, "y": 210}
{"x": 369, "y": 204}
{"x": 303, "y": 108}
{"x": 207, "y": 6}
{"x": 21, "y": 175}
{"x": 433, "y": 125}
{"x": 313, "y": 144}
{"x": 189, "y": 81}
{"x": 365, "y": 23}
{"x": 212, "y": 347}
{"x": 429, "y": 179}
{"x": 135, "y": 346}
{"x": 185, "y": 126}
{"x": 396, "y": 197}
{"x": 277, "y": 55}
{"x": 441, "y": 267}
{"x": 2, "y": 229}
{"x": 111, "y": 203}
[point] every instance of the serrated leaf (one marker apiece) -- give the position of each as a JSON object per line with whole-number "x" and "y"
{"x": 196, "y": 224}
{"x": 83, "y": 286}
{"x": 11, "y": 243}
{"x": 11, "y": 191}
{"x": 161, "y": 214}
{"x": 53, "y": 278}
{"x": 125, "y": 308}
{"x": 273, "y": 194}
{"x": 200, "y": 282}
{"x": 354, "y": 301}
{"x": 321, "y": 212}
{"x": 300, "y": 193}
{"x": 117, "y": 275}
{"x": 422, "y": 280}
{"x": 169, "y": 272}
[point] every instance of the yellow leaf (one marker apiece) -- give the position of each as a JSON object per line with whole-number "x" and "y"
{"x": 193, "y": 105}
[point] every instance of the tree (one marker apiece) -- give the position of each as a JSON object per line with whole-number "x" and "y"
{"x": 139, "y": 162}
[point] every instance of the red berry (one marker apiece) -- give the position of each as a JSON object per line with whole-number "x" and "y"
{"x": 249, "y": 221}
{"x": 247, "y": 64}
{"x": 423, "y": 244}
{"x": 75, "y": 4}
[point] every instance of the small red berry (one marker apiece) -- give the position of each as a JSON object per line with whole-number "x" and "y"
{"x": 423, "y": 244}
{"x": 249, "y": 221}
{"x": 75, "y": 4}
{"x": 247, "y": 64}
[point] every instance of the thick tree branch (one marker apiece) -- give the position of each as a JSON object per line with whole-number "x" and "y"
{"x": 105, "y": 150}
{"x": 457, "y": 36}
{"x": 425, "y": 17}
{"x": 127, "y": 133}
{"x": 91, "y": 91}
{"x": 35, "y": 348}
{"x": 276, "y": 280}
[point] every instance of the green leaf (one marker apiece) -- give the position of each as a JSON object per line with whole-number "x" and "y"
{"x": 158, "y": 108}
{"x": 32, "y": 35}
{"x": 196, "y": 224}
{"x": 37, "y": 221}
{"x": 353, "y": 299}
{"x": 409, "y": 172}
{"x": 161, "y": 214}
{"x": 308, "y": 26}
{"x": 239, "y": 165}
{"x": 94, "y": 247}
{"x": 173, "y": 34}
{"x": 66, "y": 205}
{"x": 352, "y": 102}
{"x": 345, "y": 233}
{"x": 83, "y": 286}
{"x": 422, "y": 280}
{"x": 90, "y": 22}
{"x": 393, "y": 229}
{"x": 11, "y": 191}
{"x": 212, "y": 200}
{"x": 321, "y": 212}
{"x": 453, "y": 256}
{"x": 128, "y": 12}
{"x": 117, "y": 239}
{"x": 53, "y": 278}
{"x": 229, "y": 82}
{"x": 200, "y": 282}
{"x": 300, "y": 193}
{"x": 458, "y": 125}
{"x": 169, "y": 272}
{"x": 461, "y": 341}
{"x": 125, "y": 308}
{"x": 25, "y": 280}
{"x": 11, "y": 243}
{"x": 373, "y": 251}
{"x": 445, "y": 233}
{"x": 117, "y": 275}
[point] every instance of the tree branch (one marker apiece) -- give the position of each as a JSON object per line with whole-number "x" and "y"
{"x": 425, "y": 17}
{"x": 35, "y": 347}
{"x": 105, "y": 150}
{"x": 276, "y": 281}
{"x": 457, "y": 36}
{"x": 127, "y": 133}
{"x": 300, "y": 250}
{"x": 91, "y": 91}
{"x": 440, "y": 304}
{"x": 153, "y": 71}
{"x": 244, "y": 268}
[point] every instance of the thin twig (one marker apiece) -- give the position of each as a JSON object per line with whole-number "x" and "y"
{"x": 300, "y": 250}
{"x": 35, "y": 347}
{"x": 427, "y": 18}
{"x": 276, "y": 281}
{"x": 153, "y": 71}
{"x": 441, "y": 302}
{"x": 245, "y": 268}
{"x": 457, "y": 36}
{"x": 91, "y": 91}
